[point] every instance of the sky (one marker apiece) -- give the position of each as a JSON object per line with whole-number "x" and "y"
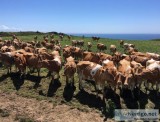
{"x": 81, "y": 16}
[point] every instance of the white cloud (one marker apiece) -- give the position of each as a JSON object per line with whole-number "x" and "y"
{"x": 7, "y": 28}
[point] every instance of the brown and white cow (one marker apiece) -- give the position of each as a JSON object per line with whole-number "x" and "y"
{"x": 110, "y": 66}
{"x": 7, "y": 59}
{"x": 92, "y": 71}
{"x": 54, "y": 66}
{"x": 70, "y": 70}
{"x": 126, "y": 75}
{"x": 151, "y": 74}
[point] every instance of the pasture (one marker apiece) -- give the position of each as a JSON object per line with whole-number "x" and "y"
{"x": 57, "y": 93}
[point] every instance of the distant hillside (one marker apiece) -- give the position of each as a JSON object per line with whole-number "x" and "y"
{"x": 25, "y": 33}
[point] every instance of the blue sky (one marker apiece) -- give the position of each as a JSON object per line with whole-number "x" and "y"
{"x": 81, "y": 16}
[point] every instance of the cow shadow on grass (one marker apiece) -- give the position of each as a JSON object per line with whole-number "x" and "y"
{"x": 17, "y": 80}
{"x": 90, "y": 100}
{"x": 155, "y": 98}
{"x": 35, "y": 79}
{"x": 138, "y": 102}
{"x": 68, "y": 92}
{"x": 53, "y": 87}
{"x": 110, "y": 94}
{"x": 130, "y": 102}
{"x": 3, "y": 77}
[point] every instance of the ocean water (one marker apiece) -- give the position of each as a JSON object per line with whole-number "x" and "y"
{"x": 123, "y": 36}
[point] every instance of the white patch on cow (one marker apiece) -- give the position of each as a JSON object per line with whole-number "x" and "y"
{"x": 151, "y": 61}
{"x": 9, "y": 54}
{"x": 95, "y": 69}
{"x": 92, "y": 64}
{"x": 128, "y": 68}
{"x": 153, "y": 54}
{"x": 105, "y": 62}
{"x": 153, "y": 66}
{"x": 57, "y": 59}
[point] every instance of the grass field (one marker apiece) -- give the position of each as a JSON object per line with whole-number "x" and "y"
{"x": 57, "y": 93}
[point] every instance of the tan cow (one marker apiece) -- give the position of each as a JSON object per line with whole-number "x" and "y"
{"x": 151, "y": 74}
{"x": 126, "y": 77}
{"x": 101, "y": 47}
{"x": 89, "y": 45}
{"x": 54, "y": 66}
{"x": 121, "y": 42}
{"x": 91, "y": 56}
{"x": 20, "y": 63}
{"x": 7, "y": 59}
{"x": 92, "y": 71}
{"x": 109, "y": 65}
{"x": 113, "y": 49}
{"x": 70, "y": 70}
{"x": 32, "y": 61}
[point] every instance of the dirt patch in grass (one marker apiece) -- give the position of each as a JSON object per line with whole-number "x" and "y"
{"x": 18, "y": 108}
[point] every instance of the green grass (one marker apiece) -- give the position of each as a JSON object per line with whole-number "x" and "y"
{"x": 57, "y": 93}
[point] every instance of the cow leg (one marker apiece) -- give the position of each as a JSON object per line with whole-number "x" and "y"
{"x": 38, "y": 70}
{"x": 157, "y": 87}
{"x": 72, "y": 83}
{"x": 66, "y": 80}
{"x": 58, "y": 76}
{"x": 80, "y": 82}
{"x": 146, "y": 85}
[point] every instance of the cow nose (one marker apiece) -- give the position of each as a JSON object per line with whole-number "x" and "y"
{"x": 119, "y": 83}
{"x": 125, "y": 85}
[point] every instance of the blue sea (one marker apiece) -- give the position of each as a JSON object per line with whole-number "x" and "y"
{"x": 124, "y": 36}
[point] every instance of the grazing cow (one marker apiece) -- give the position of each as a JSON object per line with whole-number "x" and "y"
{"x": 101, "y": 47}
{"x": 67, "y": 51}
{"x": 70, "y": 70}
{"x": 38, "y": 44}
{"x": 35, "y": 38}
{"x": 40, "y": 50}
{"x": 20, "y": 63}
{"x": 103, "y": 56}
{"x": 69, "y": 37}
{"x": 153, "y": 56}
{"x": 89, "y": 45}
{"x": 55, "y": 53}
{"x": 54, "y": 66}
{"x": 29, "y": 49}
{"x": 90, "y": 56}
{"x": 4, "y": 49}
{"x": 77, "y": 53}
{"x": 80, "y": 43}
{"x": 94, "y": 38}
{"x": 121, "y": 43}
{"x": 113, "y": 49}
{"x": 52, "y": 41}
{"x": 92, "y": 71}
{"x": 1, "y": 39}
{"x": 74, "y": 43}
{"x": 32, "y": 61}
{"x": 126, "y": 77}
{"x": 7, "y": 59}
{"x": 52, "y": 36}
{"x": 57, "y": 48}
{"x": 151, "y": 74}
{"x": 140, "y": 59}
{"x": 109, "y": 65}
